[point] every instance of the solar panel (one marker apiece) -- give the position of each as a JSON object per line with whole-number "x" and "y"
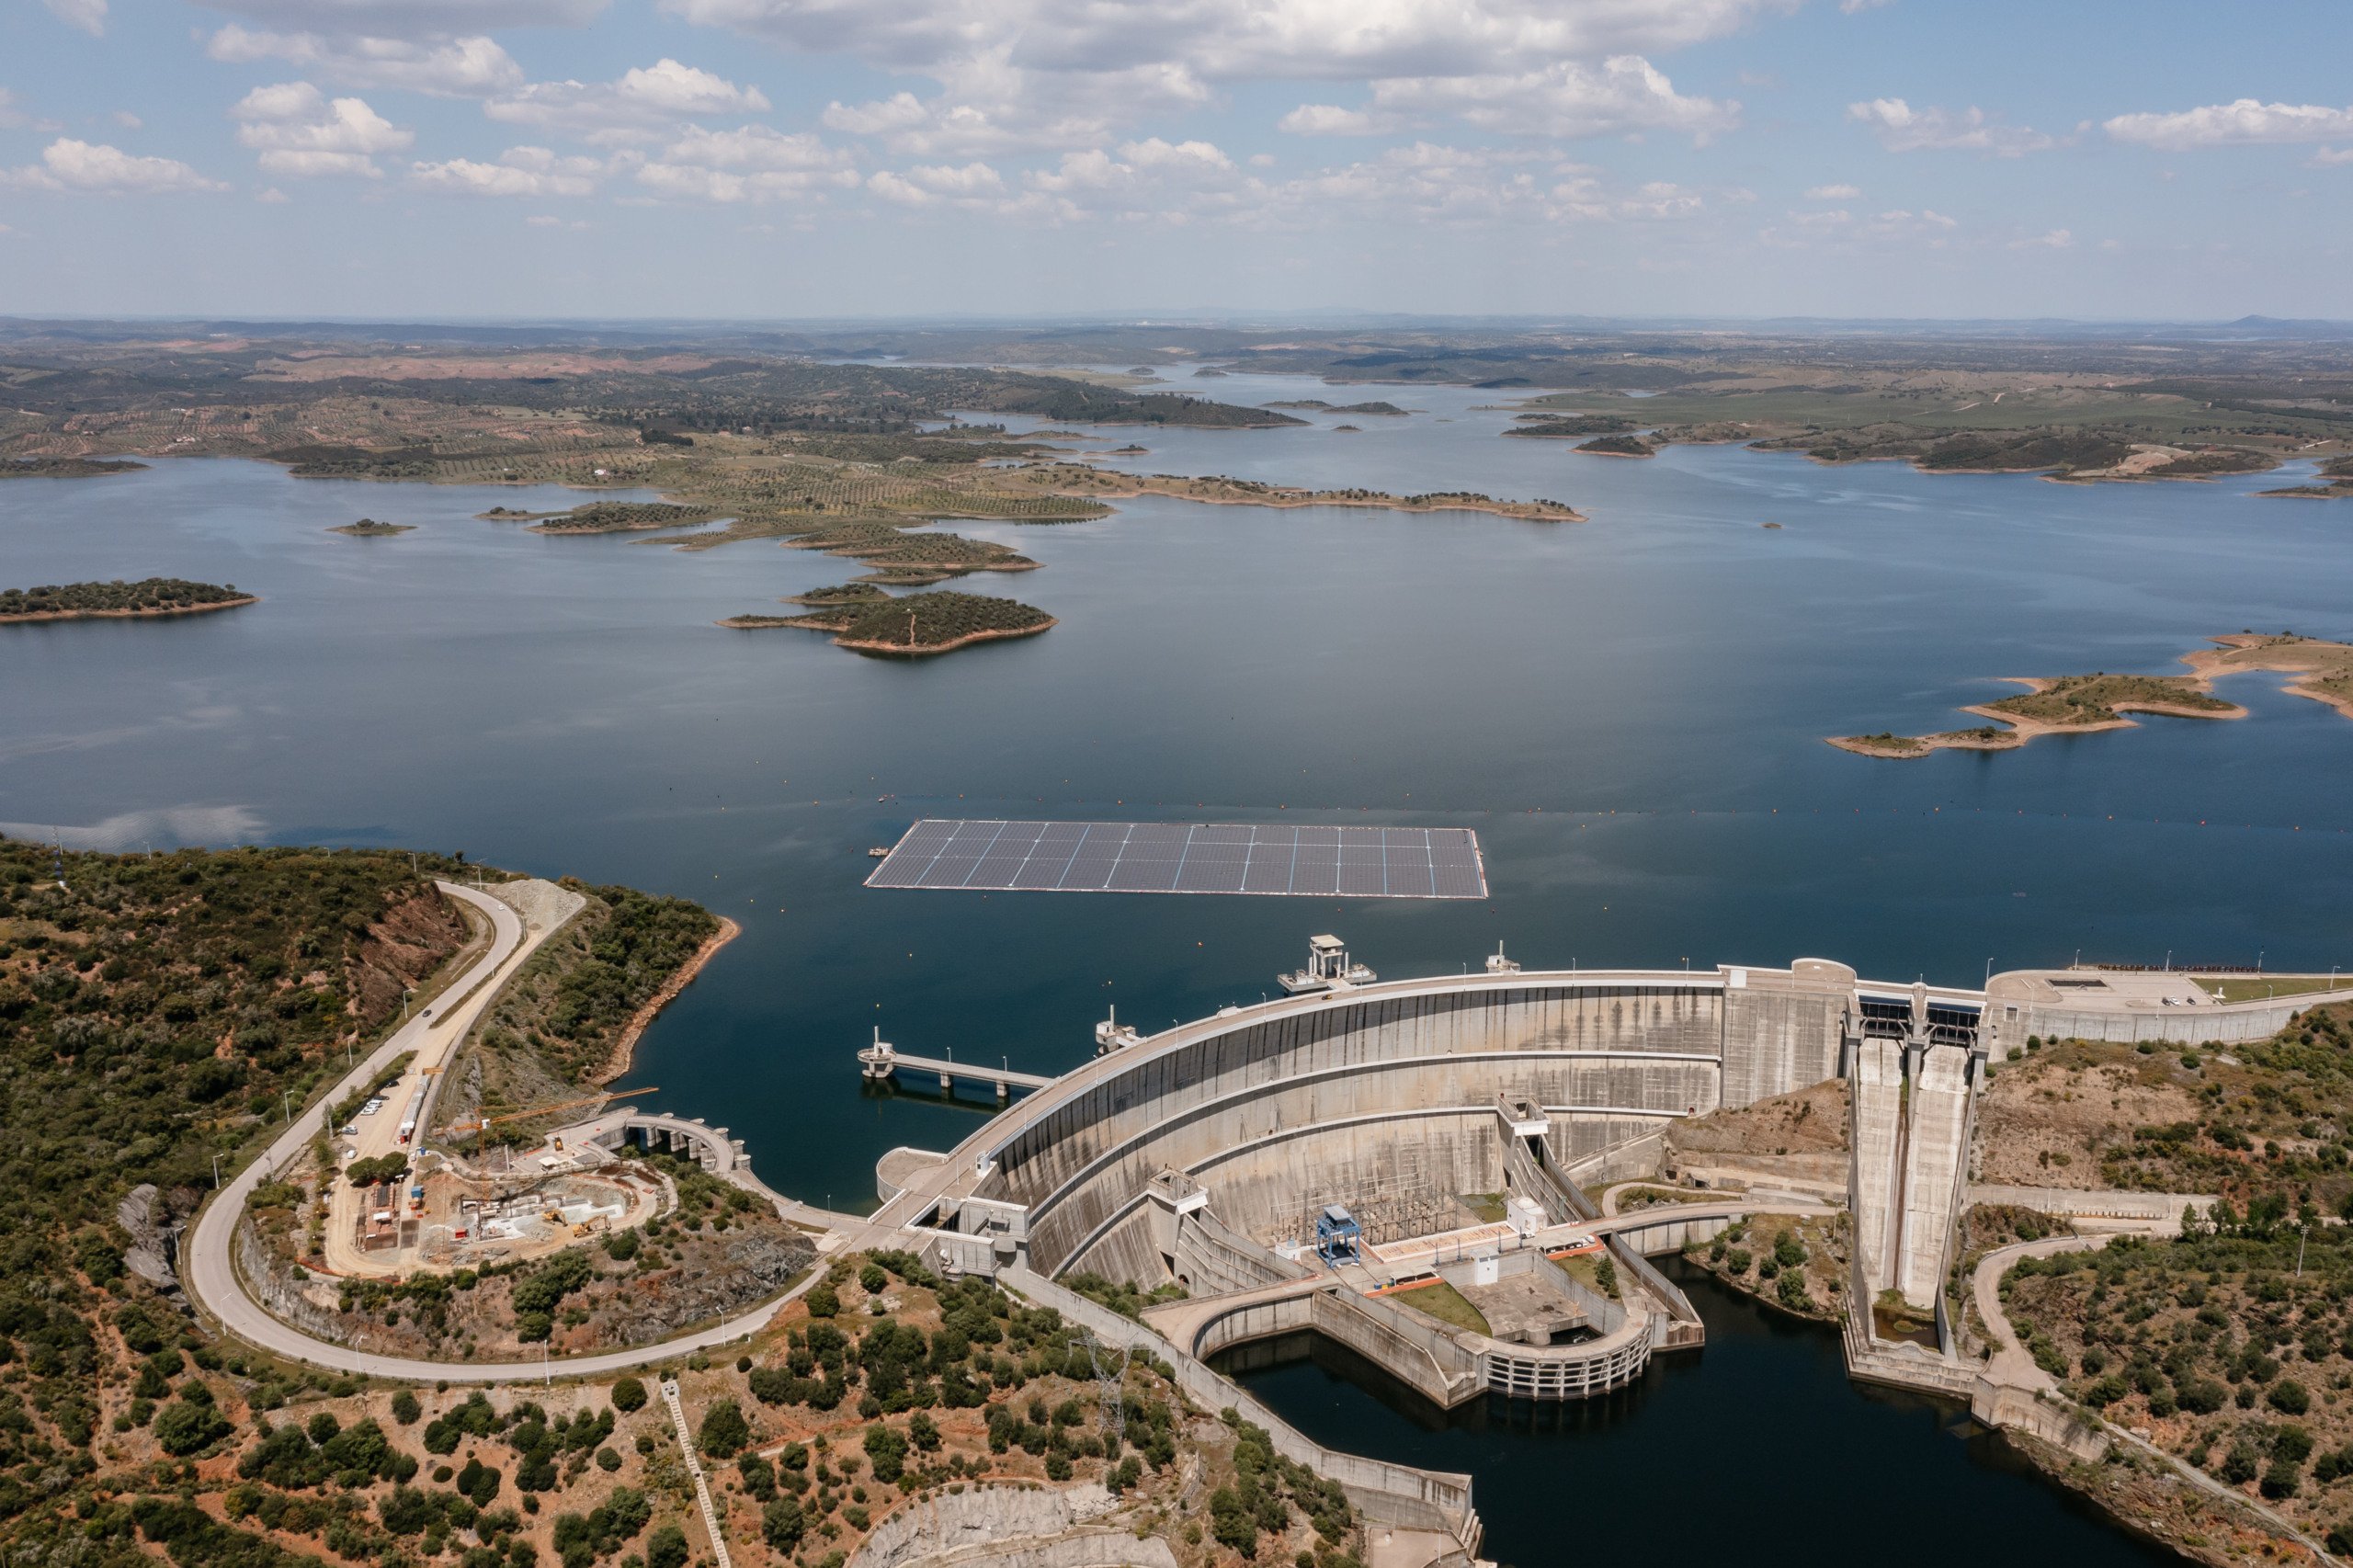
{"x": 1205, "y": 857}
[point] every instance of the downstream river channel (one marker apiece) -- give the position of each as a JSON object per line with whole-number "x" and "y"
{"x": 1629, "y": 711}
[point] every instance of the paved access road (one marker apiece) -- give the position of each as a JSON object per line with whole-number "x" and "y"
{"x": 207, "y": 1259}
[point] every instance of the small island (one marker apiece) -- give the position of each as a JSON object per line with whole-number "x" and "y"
{"x": 617, "y": 517}
{"x": 916, "y": 627}
{"x": 119, "y": 600}
{"x": 1077, "y": 478}
{"x": 841, "y": 593}
{"x": 1619, "y": 447}
{"x": 64, "y": 468}
{"x": 369, "y": 528}
{"x": 1571, "y": 427}
{"x": 1386, "y": 409}
{"x": 2085, "y": 704}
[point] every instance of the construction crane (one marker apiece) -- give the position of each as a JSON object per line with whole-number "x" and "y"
{"x": 482, "y": 1122}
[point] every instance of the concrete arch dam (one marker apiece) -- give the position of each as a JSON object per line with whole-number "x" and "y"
{"x": 1453, "y": 1119}
{"x": 1383, "y": 1097}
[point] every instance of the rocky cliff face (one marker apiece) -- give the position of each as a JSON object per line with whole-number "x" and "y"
{"x": 416, "y": 936}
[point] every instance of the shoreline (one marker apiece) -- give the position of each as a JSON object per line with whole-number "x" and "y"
{"x": 905, "y": 650}
{"x": 129, "y": 614}
{"x": 2263, "y": 652}
{"x": 625, "y": 1048}
{"x": 1287, "y": 498}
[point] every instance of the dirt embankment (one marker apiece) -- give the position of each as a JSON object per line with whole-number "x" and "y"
{"x": 2046, "y": 1120}
{"x": 1812, "y": 1121}
{"x": 414, "y": 937}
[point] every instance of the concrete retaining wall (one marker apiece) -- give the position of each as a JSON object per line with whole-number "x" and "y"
{"x": 1877, "y": 1141}
{"x": 2175, "y": 1025}
{"x": 1934, "y": 1151}
{"x": 1386, "y": 1493}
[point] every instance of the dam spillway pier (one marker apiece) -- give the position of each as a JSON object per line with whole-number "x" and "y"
{"x": 882, "y": 1062}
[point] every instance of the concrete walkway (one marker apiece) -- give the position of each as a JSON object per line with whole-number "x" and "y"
{"x": 2012, "y": 1364}
{"x": 694, "y": 1467}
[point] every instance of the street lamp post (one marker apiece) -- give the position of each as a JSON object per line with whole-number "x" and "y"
{"x": 288, "y": 1100}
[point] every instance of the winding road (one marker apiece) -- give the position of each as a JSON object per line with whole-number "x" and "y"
{"x": 208, "y": 1256}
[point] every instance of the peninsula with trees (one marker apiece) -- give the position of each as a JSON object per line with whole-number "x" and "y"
{"x": 2087, "y": 703}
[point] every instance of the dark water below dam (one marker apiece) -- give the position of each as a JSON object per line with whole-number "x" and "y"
{"x": 1757, "y": 1449}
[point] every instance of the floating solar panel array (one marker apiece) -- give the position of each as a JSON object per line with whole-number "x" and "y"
{"x": 1150, "y": 857}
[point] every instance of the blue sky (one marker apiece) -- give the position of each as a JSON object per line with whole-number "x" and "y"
{"x": 814, "y": 158}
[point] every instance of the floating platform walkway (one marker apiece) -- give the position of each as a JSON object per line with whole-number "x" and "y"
{"x": 1203, "y": 858}
{"x": 883, "y": 1060}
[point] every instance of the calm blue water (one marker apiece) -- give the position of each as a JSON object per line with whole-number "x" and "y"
{"x": 1726, "y": 1456}
{"x": 1629, "y": 711}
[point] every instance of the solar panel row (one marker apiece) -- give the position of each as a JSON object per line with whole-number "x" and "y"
{"x": 1229, "y": 857}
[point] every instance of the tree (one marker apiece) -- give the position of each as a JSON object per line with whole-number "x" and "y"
{"x": 823, "y": 1302}
{"x": 629, "y": 1395}
{"x": 666, "y": 1548}
{"x": 923, "y": 1432}
{"x": 783, "y": 1522}
{"x": 405, "y": 1410}
{"x": 888, "y": 1451}
{"x": 724, "y": 1430}
{"x": 382, "y": 1168}
{"x": 2288, "y": 1397}
{"x": 185, "y": 1426}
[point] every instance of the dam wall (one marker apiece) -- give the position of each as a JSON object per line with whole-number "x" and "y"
{"x": 1386, "y": 1093}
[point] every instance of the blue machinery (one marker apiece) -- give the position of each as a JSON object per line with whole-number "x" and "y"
{"x": 1338, "y": 1237}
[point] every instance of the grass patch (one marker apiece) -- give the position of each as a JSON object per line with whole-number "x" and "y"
{"x": 1445, "y": 1303}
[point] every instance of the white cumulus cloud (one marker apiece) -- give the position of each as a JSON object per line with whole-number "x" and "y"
{"x": 926, "y": 184}
{"x": 1903, "y": 129}
{"x": 645, "y": 101}
{"x": 1568, "y": 98}
{"x": 1236, "y": 39}
{"x": 1008, "y": 67}
{"x": 1833, "y": 193}
{"x": 70, "y": 165}
{"x": 520, "y": 171}
{"x": 90, "y": 16}
{"x": 2056, "y": 239}
{"x": 298, "y": 130}
{"x": 447, "y": 67}
{"x": 413, "y": 18}
{"x": 2241, "y": 122}
{"x": 752, "y": 163}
